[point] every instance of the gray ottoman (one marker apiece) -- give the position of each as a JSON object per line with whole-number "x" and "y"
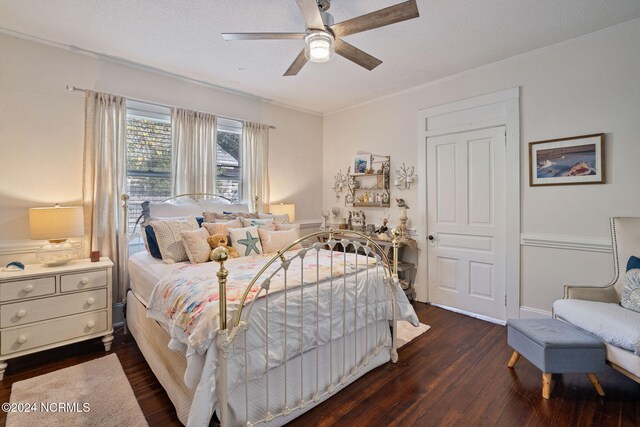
{"x": 556, "y": 347}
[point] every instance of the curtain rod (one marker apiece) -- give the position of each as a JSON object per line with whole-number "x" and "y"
{"x": 72, "y": 88}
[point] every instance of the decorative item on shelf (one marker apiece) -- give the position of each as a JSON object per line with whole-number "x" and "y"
{"x": 94, "y": 256}
{"x": 340, "y": 181}
{"x": 56, "y": 224}
{"x": 343, "y": 224}
{"x": 404, "y": 177}
{"x": 369, "y": 171}
{"x": 357, "y": 221}
{"x": 403, "y": 218}
{"x": 325, "y": 219}
{"x": 336, "y": 214}
{"x": 284, "y": 208}
{"x": 354, "y": 183}
{"x": 361, "y": 163}
{"x": 384, "y": 228}
{"x": 349, "y": 198}
{"x": 370, "y": 229}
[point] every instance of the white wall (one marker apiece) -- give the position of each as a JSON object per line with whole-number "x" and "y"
{"x": 585, "y": 86}
{"x": 42, "y": 127}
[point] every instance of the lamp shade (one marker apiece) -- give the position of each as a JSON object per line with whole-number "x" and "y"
{"x": 285, "y": 208}
{"x": 56, "y": 222}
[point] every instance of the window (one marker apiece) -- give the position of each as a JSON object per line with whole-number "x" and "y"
{"x": 148, "y": 155}
{"x": 229, "y": 159}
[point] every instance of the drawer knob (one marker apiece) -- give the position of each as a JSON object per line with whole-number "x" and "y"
{"x": 91, "y": 324}
{"x": 84, "y": 281}
{"x": 22, "y": 339}
{"x": 21, "y": 313}
{"x": 27, "y": 289}
{"x": 90, "y": 301}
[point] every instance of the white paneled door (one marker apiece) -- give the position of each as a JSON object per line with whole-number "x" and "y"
{"x": 466, "y": 221}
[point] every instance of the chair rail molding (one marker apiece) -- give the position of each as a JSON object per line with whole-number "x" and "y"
{"x": 575, "y": 243}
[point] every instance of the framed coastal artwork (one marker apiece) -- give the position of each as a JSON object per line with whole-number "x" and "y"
{"x": 567, "y": 161}
{"x": 361, "y": 163}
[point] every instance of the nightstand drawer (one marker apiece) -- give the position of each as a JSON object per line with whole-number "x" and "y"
{"x": 39, "y": 335}
{"x": 20, "y": 313}
{"x": 80, "y": 281}
{"x": 27, "y": 288}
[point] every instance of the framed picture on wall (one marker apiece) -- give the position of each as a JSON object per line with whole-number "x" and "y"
{"x": 567, "y": 161}
{"x": 361, "y": 163}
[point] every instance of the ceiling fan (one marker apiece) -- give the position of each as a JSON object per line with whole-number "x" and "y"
{"x": 323, "y": 38}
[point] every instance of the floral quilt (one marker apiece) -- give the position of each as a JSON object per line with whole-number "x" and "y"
{"x": 186, "y": 300}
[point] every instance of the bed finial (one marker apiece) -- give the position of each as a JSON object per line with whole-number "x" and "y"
{"x": 220, "y": 255}
{"x": 396, "y": 245}
{"x": 255, "y": 203}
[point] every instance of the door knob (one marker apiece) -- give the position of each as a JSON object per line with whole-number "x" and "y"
{"x": 430, "y": 237}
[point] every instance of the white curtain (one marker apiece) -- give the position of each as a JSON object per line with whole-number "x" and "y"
{"x": 104, "y": 172}
{"x": 193, "y": 163}
{"x": 255, "y": 164}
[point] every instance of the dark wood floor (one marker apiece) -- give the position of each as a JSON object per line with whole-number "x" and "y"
{"x": 455, "y": 374}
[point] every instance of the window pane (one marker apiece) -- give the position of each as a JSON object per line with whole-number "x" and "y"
{"x": 229, "y": 175}
{"x": 148, "y": 161}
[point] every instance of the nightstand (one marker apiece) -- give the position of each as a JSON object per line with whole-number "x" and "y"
{"x": 45, "y": 307}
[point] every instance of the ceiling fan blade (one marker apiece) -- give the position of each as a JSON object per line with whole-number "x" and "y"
{"x": 387, "y": 16}
{"x": 311, "y": 14}
{"x": 356, "y": 55}
{"x": 297, "y": 65}
{"x": 262, "y": 36}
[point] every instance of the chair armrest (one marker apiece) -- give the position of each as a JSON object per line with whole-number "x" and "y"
{"x": 592, "y": 293}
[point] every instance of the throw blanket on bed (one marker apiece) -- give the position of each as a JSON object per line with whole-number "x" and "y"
{"x": 186, "y": 301}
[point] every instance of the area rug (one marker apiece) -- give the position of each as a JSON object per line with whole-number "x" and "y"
{"x": 407, "y": 332}
{"x": 95, "y": 393}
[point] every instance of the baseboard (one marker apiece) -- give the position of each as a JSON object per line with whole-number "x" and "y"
{"x": 471, "y": 314}
{"x": 533, "y": 313}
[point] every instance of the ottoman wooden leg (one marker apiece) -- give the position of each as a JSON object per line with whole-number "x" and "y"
{"x": 596, "y": 384}
{"x": 546, "y": 385}
{"x": 514, "y": 359}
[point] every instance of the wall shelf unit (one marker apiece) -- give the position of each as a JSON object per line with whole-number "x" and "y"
{"x": 370, "y": 190}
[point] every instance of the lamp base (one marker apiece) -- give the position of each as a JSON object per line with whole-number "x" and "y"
{"x": 56, "y": 253}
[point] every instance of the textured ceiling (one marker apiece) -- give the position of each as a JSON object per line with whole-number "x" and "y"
{"x": 183, "y": 37}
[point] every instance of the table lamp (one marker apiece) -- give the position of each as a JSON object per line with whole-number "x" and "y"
{"x": 56, "y": 224}
{"x": 284, "y": 208}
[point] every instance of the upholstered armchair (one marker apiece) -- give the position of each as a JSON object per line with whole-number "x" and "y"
{"x": 597, "y": 309}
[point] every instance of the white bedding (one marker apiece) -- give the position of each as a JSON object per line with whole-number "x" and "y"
{"x": 317, "y": 302}
{"x": 145, "y": 272}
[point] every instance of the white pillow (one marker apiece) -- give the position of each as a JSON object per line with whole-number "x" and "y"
{"x": 260, "y": 223}
{"x": 171, "y": 209}
{"x": 631, "y": 290}
{"x": 221, "y": 227}
{"x": 214, "y": 205}
{"x": 283, "y": 227}
{"x": 273, "y": 241}
{"x": 169, "y": 237}
{"x": 278, "y": 219}
{"x": 246, "y": 241}
{"x": 196, "y": 245}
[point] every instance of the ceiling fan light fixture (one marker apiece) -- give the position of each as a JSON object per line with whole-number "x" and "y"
{"x": 319, "y": 46}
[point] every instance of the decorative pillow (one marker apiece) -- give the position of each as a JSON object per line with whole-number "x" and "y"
{"x": 221, "y": 227}
{"x": 151, "y": 242}
{"x": 273, "y": 241}
{"x": 171, "y": 209}
{"x": 283, "y": 227}
{"x": 631, "y": 290}
{"x": 634, "y": 262}
{"x": 216, "y": 216}
{"x": 278, "y": 219}
{"x": 246, "y": 240}
{"x": 169, "y": 238}
{"x": 260, "y": 223}
{"x": 214, "y": 205}
{"x": 196, "y": 245}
